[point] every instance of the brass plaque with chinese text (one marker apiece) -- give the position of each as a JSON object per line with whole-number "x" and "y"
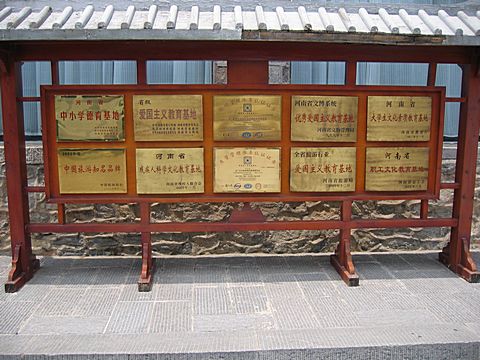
{"x": 168, "y": 117}
{"x": 322, "y": 169}
{"x": 399, "y": 118}
{"x": 246, "y": 170}
{"x": 324, "y": 118}
{"x": 92, "y": 171}
{"x": 396, "y": 169}
{"x": 89, "y": 117}
{"x": 170, "y": 171}
{"x": 247, "y": 117}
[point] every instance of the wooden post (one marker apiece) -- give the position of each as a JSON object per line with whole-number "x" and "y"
{"x": 24, "y": 263}
{"x": 342, "y": 259}
{"x": 456, "y": 255}
{"x": 146, "y": 276}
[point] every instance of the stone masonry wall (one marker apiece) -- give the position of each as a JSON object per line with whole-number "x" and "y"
{"x": 278, "y": 242}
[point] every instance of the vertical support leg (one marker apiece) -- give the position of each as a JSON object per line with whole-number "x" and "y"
{"x": 456, "y": 255}
{"x": 342, "y": 259}
{"x": 146, "y": 276}
{"x": 424, "y": 209}
{"x": 24, "y": 263}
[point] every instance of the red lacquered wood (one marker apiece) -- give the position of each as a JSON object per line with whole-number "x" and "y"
{"x": 146, "y": 275}
{"x": 237, "y": 50}
{"x": 35, "y": 189}
{"x": 342, "y": 259}
{"x": 61, "y": 213}
{"x": 456, "y": 255}
{"x": 454, "y": 185}
{"x": 247, "y": 72}
{"x": 24, "y": 263}
{"x": 243, "y": 226}
{"x": 424, "y": 209}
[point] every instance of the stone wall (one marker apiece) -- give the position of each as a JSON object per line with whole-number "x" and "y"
{"x": 278, "y": 242}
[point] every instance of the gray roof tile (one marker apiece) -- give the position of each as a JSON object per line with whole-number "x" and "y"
{"x": 117, "y": 22}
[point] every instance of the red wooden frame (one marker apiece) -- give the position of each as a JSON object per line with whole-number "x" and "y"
{"x": 247, "y": 68}
{"x": 362, "y": 92}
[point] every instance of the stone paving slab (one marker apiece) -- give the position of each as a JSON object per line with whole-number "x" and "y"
{"x": 408, "y": 306}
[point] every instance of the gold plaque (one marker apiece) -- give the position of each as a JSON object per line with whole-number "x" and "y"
{"x": 246, "y": 170}
{"x": 92, "y": 171}
{"x": 322, "y": 169}
{"x": 168, "y": 117}
{"x": 247, "y": 117}
{"x": 399, "y": 118}
{"x": 170, "y": 171}
{"x": 324, "y": 118}
{"x": 396, "y": 169}
{"x": 89, "y": 117}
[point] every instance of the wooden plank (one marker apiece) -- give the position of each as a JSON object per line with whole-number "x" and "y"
{"x": 24, "y": 263}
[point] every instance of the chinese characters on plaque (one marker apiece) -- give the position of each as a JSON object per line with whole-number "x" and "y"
{"x": 247, "y": 117}
{"x": 170, "y": 171}
{"x": 399, "y": 118}
{"x": 324, "y": 118}
{"x": 177, "y": 169}
{"x": 168, "y": 117}
{"x": 246, "y": 170}
{"x": 396, "y": 169}
{"x": 92, "y": 171}
{"x": 89, "y": 117}
{"x": 322, "y": 169}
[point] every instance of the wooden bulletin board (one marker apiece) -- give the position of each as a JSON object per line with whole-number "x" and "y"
{"x": 255, "y": 143}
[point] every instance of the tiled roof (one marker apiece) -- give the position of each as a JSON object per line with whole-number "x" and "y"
{"x": 361, "y": 25}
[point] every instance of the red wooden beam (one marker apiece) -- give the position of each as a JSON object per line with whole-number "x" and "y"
{"x": 244, "y": 226}
{"x": 236, "y": 50}
{"x": 456, "y": 255}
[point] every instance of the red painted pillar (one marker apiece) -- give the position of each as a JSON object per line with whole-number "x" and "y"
{"x": 24, "y": 263}
{"x": 456, "y": 255}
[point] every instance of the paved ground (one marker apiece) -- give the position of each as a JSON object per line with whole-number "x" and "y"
{"x": 408, "y": 306}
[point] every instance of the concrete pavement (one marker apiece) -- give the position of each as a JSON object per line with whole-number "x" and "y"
{"x": 408, "y": 306}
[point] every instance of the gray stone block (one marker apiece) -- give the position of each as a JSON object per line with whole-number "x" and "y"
{"x": 52, "y": 325}
{"x": 60, "y": 302}
{"x": 14, "y": 315}
{"x": 172, "y": 317}
{"x": 213, "y": 300}
{"x": 232, "y": 322}
{"x": 249, "y": 299}
{"x": 97, "y": 302}
{"x": 131, "y": 318}
{"x": 242, "y": 276}
{"x": 293, "y": 314}
{"x": 174, "y": 291}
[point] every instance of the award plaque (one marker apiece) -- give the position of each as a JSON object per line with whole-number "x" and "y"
{"x": 324, "y": 118}
{"x": 322, "y": 169}
{"x": 168, "y": 117}
{"x": 246, "y": 170}
{"x": 247, "y": 117}
{"x": 170, "y": 171}
{"x": 89, "y": 117}
{"x": 399, "y": 118}
{"x": 92, "y": 171}
{"x": 396, "y": 169}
